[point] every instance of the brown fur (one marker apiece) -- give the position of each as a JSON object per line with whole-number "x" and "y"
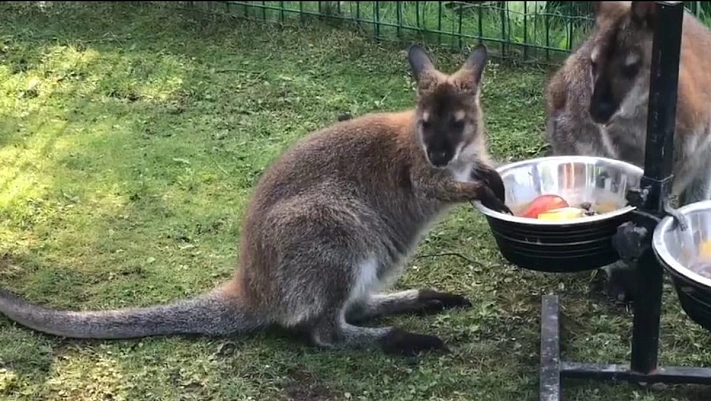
{"x": 605, "y": 113}
{"x": 569, "y": 128}
{"x": 330, "y": 222}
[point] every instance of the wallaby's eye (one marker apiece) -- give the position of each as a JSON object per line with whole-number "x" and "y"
{"x": 457, "y": 125}
{"x": 425, "y": 124}
{"x": 593, "y": 66}
{"x": 630, "y": 71}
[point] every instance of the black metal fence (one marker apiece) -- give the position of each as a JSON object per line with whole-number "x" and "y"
{"x": 531, "y": 31}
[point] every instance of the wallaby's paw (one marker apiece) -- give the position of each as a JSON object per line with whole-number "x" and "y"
{"x": 433, "y": 301}
{"x": 492, "y": 179}
{"x": 493, "y": 195}
{"x": 404, "y": 343}
{"x": 490, "y": 200}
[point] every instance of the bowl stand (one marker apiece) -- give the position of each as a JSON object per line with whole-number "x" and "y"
{"x": 650, "y": 200}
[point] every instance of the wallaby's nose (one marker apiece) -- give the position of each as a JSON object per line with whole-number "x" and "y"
{"x": 438, "y": 158}
{"x": 601, "y": 112}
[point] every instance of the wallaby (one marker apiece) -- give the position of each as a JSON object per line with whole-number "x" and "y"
{"x": 569, "y": 128}
{"x": 331, "y": 222}
{"x": 597, "y": 102}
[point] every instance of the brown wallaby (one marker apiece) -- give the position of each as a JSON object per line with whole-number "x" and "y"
{"x": 330, "y": 222}
{"x": 597, "y": 101}
{"x": 569, "y": 128}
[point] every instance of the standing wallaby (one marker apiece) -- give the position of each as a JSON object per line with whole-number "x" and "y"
{"x": 569, "y": 128}
{"x": 330, "y": 222}
{"x": 597, "y": 102}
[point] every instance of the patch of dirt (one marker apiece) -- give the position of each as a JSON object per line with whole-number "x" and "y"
{"x": 302, "y": 385}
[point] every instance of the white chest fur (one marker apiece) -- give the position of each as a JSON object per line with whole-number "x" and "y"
{"x": 461, "y": 172}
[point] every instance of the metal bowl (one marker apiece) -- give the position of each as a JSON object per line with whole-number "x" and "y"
{"x": 571, "y": 246}
{"x": 678, "y": 252}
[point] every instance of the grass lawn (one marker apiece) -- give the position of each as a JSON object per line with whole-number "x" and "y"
{"x": 130, "y": 139}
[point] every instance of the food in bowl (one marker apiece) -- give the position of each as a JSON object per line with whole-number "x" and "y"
{"x": 543, "y": 204}
{"x": 702, "y": 264}
{"x": 553, "y": 207}
{"x": 565, "y": 213}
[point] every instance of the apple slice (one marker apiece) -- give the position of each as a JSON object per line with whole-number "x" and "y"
{"x": 543, "y": 204}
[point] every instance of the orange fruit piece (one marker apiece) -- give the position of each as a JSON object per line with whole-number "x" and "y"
{"x": 705, "y": 250}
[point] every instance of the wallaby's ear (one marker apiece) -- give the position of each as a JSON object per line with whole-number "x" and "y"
{"x": 419, "y": 61}
{"x": 644, "y": 13}
{"x": 476, "y": 62}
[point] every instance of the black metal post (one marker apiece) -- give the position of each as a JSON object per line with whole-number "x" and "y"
{"x": 550, "y": 349}
{"x": 658, "y": 163}
{"x": 661, "y": 112}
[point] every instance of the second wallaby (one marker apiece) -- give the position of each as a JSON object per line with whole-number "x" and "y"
{"x": 596, "y": 103}
{"x": 330, "y": 223}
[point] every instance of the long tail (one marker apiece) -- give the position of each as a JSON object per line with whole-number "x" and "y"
{"x": 218, "y": 312}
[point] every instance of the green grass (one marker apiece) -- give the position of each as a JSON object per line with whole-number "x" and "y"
{"x": 130, "y": 139}
{"x": 536, "y": 31}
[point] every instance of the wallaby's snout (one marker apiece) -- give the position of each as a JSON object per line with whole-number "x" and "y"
{"x": 620, "y": 56}
{"x": 442, "y": 134}
{"x": 602, "y": 106}
{"x": 439, "y": 158}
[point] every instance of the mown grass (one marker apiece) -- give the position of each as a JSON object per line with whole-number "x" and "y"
{"x": 533, "y": 31}
{"x": 130, "y": 139}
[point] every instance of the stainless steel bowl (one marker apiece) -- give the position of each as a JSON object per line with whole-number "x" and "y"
{"x": 571, "y": 246}
{"x": 678, "y": 252}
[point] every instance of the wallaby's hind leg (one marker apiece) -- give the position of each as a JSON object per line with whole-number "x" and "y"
{"x": 332, "y": 331}
{"x": 619, "y": 282}
{"x": 410, "y": 301}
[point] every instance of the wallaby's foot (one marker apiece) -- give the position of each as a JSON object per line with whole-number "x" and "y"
{"x": 619, "y": 283}
{"x": 433, "y": 302}
{"x": 335, "y": 334}
{"x": 408, "y": 344}
{"x": 411, "y": 301}
{"x": 345, "y": 116}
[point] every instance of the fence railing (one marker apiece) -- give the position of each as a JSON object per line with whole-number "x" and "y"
{"x": 530, "y": 31}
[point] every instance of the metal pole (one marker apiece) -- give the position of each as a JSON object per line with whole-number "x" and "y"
{"x": 658, "y": 163}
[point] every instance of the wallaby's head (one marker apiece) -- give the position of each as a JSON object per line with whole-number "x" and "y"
{"x": 448, "y": 110}
{"x": 620, "y": 55}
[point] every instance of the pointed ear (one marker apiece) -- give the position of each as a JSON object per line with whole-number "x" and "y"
{"x": 644, "y": 13}
{"x": 419, "y": 61}
{"x": 476, "y": 62}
